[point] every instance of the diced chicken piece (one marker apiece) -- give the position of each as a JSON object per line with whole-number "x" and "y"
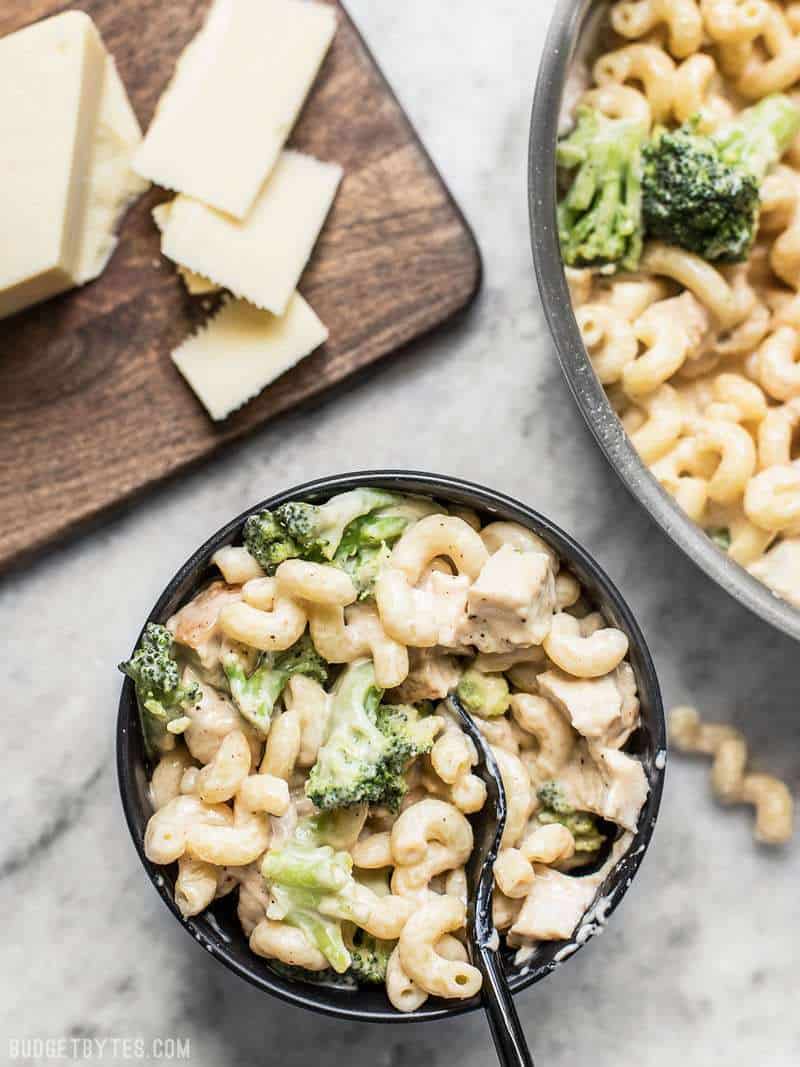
{"x": 432, "y": 674}
{"x": 626, "y": 786}
{"x": 606, "y": 782}
{"x": 780, "y": 569}
{"x": 511, "y": 603}
{"x": 213, "y": 717}
{"x": 592, "y": 705}
{"x": 554, "y": 906}
{"x": 195, "y": 625}
{"x": 448, "y": 594}
{"x": 629, "y": 709}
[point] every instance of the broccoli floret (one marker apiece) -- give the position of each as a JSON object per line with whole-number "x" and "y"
{"x": 366, "y": 543}
{"x": 363, "y": 566}
{"x": 318, "y": 529}
{"x": 159, "y": 693}
{"x": 369, "y": 956}
{"x": 267, "y": 541}
{"x": 367, "y": 747}
{"x": 337, "y": 827}
{"x": 600, "y": 218}
{"x": 302, "y": 658}
{"x": 551, "y": 796}
{"x": 581, "y": 824}
{"x": 486, "y": 695}
{"x": 255, "y": 696}
{"x": 365, "y": 548}
{"x": 313, "y": 888}
{"x": 409, "y": 732}
{"x": 703, "y": 192}
{"x": 721, "y": 536}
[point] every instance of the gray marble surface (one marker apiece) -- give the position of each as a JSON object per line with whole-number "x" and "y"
{"x": 698, "y": 964}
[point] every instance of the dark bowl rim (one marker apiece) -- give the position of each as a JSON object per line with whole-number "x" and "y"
{"x": 454, "y": 490}
{"x": 567, "y": 22}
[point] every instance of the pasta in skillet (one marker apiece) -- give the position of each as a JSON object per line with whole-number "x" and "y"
{"x": 298, "y": 714}
{"x": 680, "y": 230}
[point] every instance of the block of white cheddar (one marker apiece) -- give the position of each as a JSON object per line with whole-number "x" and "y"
{"x": 261, "y": 258}
{"x": 67, "y": 133}
{"x": 241, "y": 350}
{"x": 195, "y": 284}
{"x": 236, "y": 93}
{"x": 111, "y": 184}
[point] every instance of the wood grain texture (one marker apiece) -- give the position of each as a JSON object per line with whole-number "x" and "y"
{"x": 92, "y": 409}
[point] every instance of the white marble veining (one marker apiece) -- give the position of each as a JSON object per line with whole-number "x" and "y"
{"x": 698, "y": 965}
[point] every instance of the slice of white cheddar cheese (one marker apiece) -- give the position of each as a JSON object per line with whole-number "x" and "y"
{"x": 236, "y": 93}
{"x": 195, "y": 284}
{"x": 242, "y": 349}
{"x": 261, "y": 258}
{"x": 67, "y": 132}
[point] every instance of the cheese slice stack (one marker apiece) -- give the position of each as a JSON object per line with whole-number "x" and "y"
{"x": 248, "y": 212}
{"x": 67, "y": 132}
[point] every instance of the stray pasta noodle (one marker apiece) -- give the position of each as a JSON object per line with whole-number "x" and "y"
{"x": 730, "y": 780}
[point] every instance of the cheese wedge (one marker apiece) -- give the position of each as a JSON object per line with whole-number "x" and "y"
{"x": 112, "y": 185}
{"x": 236, "y": 93}
{"x": 241, "y": 350}
{"x": 261, "y": 258}
{"x": 67, "y": 132}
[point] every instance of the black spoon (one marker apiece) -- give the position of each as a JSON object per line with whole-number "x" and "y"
{"x": 488, "y": 825}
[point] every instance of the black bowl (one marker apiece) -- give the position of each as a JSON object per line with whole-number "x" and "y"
{"x": 218, "y": 929}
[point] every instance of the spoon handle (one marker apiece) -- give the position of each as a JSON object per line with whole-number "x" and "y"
{"x": 507, "y": 1033}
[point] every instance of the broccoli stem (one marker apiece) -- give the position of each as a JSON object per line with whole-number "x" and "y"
{"x": 325, "y": 933}
{"x": 600, "y": 218}
{"x": 759, "y": 136}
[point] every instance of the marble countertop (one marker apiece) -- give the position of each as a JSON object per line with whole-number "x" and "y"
{"x": 699, "y": 962}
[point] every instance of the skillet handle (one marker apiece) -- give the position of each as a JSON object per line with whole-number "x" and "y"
{"x": 507, "y": 1033}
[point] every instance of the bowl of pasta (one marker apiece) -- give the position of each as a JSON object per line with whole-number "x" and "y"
{"x": 664, "y": 194}
{"x": 294, "y": 779}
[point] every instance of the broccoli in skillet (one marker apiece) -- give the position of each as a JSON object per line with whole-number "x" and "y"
{"x": 703, "y": 192}
{"x": 721, "y": 536}
{"x": 600, "y": 218}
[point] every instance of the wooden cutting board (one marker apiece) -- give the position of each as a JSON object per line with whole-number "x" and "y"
{"x": 92, "y": 409}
